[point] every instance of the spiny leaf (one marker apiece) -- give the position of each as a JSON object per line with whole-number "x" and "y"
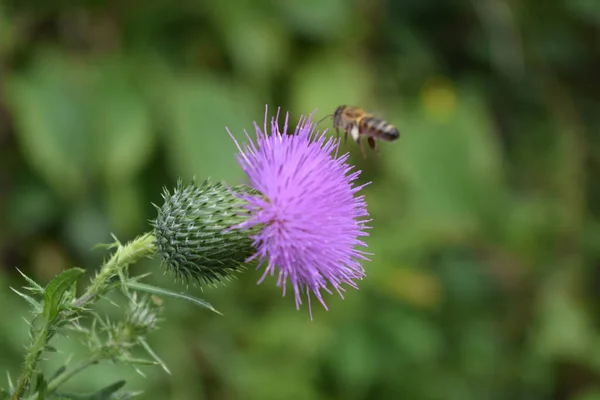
{"x": 139, "y": 371}
{"x": 37, "y": 307}
{"x": 137, "y": 361}
{"x": 108, "y": 246}
{"x": 106, "y": 393}
{"x": 4, "y": 395}
{"x": 41, "y": 387}
{"x": 35, "y": 287}
{"x": 58, "y": 372}
{"x": 165, "y": 292}
{"x": 128, "y": 395}
{"x": 152, "y": 354}
{"x": 11, "y": 387}
{"x": 53, "y": 294}
{"x": 124, "y": 289}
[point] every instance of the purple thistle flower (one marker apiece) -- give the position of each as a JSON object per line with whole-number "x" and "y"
{"x": 309, "y": 216}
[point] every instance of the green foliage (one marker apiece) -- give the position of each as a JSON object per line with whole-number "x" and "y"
{"x": 105, "y": 339}
{"x": 55, "y": 294}
{"x": 485, "y": 212}
{"x": 107, "y": 393}
{"x": 140, "y": 287}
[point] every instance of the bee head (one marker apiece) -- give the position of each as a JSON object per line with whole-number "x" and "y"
{"x": 337, "y": 115}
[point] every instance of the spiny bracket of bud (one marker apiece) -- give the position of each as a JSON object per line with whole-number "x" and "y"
{"x": 190, "y": 237}
{"x": 143, "y": 315}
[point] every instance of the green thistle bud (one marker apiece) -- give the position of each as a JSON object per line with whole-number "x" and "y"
{"x": 143, "y": 315}
{"x": 190, "y": 235}
{"x": 141, "y": 318}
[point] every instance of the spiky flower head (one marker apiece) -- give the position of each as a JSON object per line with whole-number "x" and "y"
{"x": 190, "y": 233}
{"x": 142, "y": 316}
{"x": 115, "y": 340}
{"x": 307, "y": 209}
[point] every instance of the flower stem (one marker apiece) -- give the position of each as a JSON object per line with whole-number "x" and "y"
{"x": 124, "y": 256}
{"x": 31, "y": 360}
{"x": 65, "y": 376}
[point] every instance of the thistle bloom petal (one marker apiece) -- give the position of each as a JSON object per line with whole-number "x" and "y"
{"x": 308, "y": 209}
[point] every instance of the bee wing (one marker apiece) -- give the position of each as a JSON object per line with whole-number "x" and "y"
{"x": 377, "y": 113}
{"x": 385, "y": 116}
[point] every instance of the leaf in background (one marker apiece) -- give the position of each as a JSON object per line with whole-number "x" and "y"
{"x": 257, "y": 41}
{"x": 7, "y": 31}
{"x": 327, "y": 81}
{"x": 49, "y": 104}
{"x": 587, "y": 10}
{"x": 413, "y": 56}
{"x": 450, "y": 163}
{"x": 31, "y": 207}
{"x": 419, "y": 342}
{"x": 321, "y": 19}
{"x": 123, "y": 203}
{"x": 85, "y": 226}
{"x": 564, "y": 327}
{"x": 198, "y": 109}
{"x": 121, "y": 122}
{"x": 356, "y": 359}
{"x": 53, "y": 294}
{"x": 592, "y": 393}
{"x": 421, "y": 289}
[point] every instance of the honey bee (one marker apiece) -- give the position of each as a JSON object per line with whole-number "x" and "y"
{"x": 358, "y": 123}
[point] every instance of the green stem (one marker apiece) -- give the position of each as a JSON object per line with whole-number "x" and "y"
{"x": 140, "y": 247}
{"x": 59, "y": 380}
{"x": 31, "y": 360}
{"x": 121, "y": 259}
{"x": 65, "y": 376}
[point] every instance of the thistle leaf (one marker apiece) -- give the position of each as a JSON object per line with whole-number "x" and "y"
{"x": 55, "y": 290}
{"x": 141, "y": 287}
{"x": 137, "y": 361}
{"x": 58, "y": 372}
{"x": 106, "y": 393}
{"x": 35, "y": 287}
{"x": 41, "y": 387}
{"x": 37, "y": 307}
{"x": 152, "y": 354}
{"x": 11, "y": 387}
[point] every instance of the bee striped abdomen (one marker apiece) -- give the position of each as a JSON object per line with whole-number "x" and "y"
{"x": 380, "y": 129}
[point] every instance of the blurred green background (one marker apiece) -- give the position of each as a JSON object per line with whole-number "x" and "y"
{"x": 486, "y": 269}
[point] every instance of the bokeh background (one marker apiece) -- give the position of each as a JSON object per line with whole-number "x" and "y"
{"x": 485, "y": 276}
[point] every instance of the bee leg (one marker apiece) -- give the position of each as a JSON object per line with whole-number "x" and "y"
{"x": 373, "y": 144}
{"x": 362, "y": 149}
{"x": 345, "y": 136}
